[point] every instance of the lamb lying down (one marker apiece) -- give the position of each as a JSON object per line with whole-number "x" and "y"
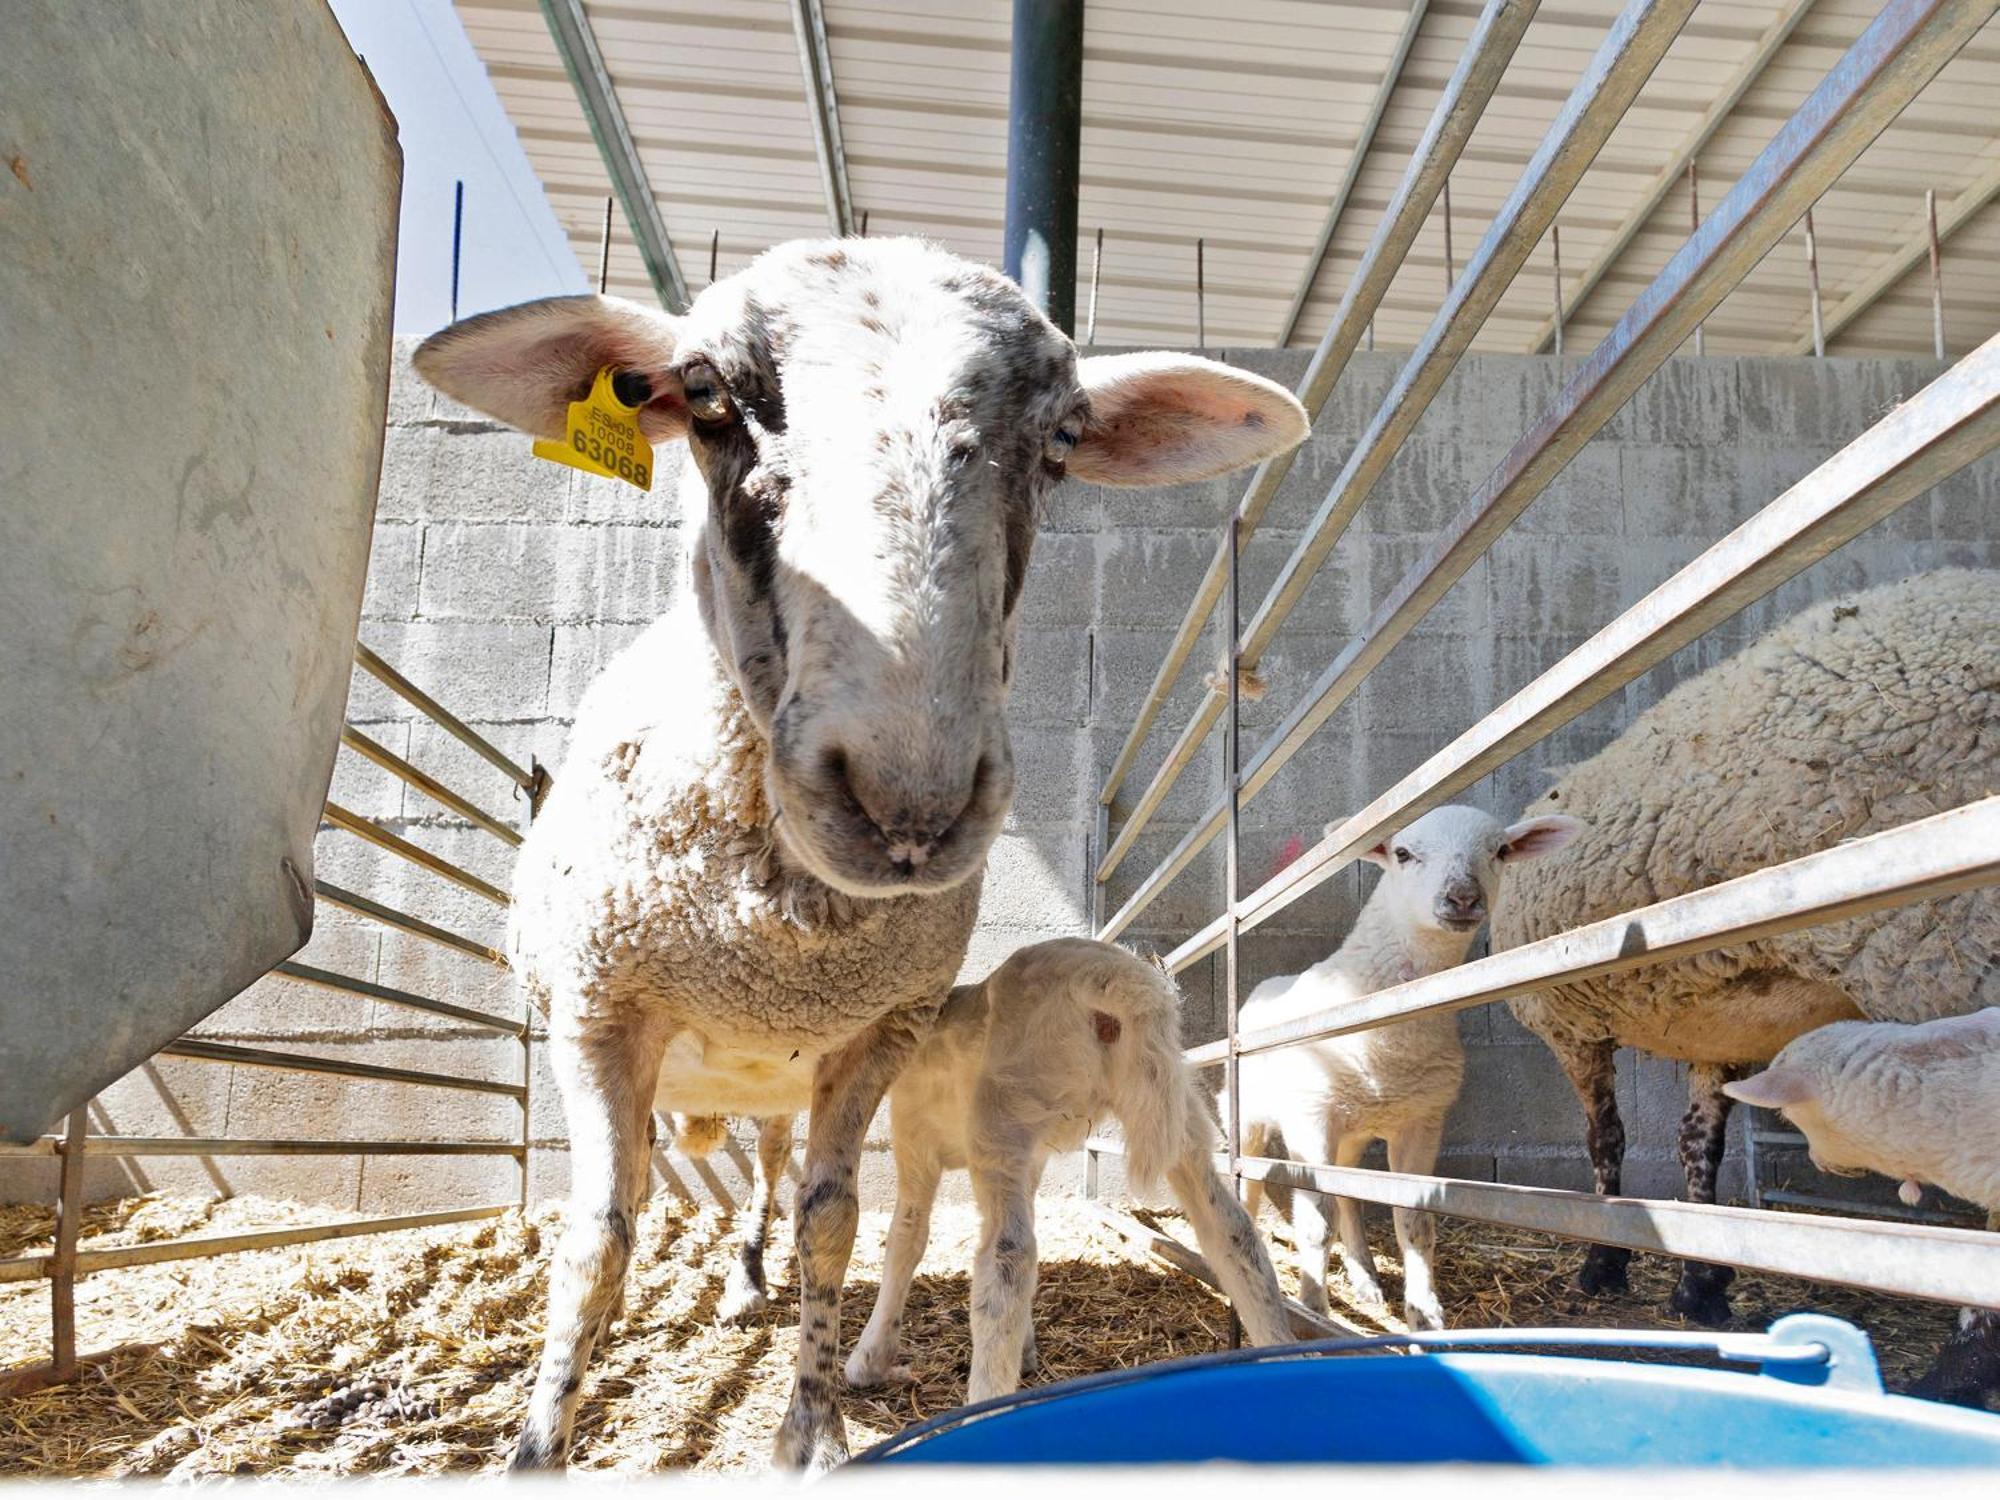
{"x": 1324, "y": 1101}
{"x": 1060, "y": 1036}
{"x": 1917, "y": 1102}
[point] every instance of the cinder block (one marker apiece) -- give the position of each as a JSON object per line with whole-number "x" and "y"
{"x": 1051, "y": 769}
{"x": 595, "y": 574}
{"x": 595, "y": 501}
{"x": 165, "y": 1096}
{"x": 364, "y": 787}
{"x": 1491, "y": 398}
{"x": 1430, "y": 482}
{"x": 441, "y": 754}
{"x": 1824, "y": 401}
{"x": 474, "y": 471}
{"x": 277, "y": 1102}
{"x": 1690, "y": 401}
{"x": 1149, "y": 576}
{"x": 1061, "y": 587}
{"x": 393, "y": 561}
{"x": 409, "y": 397}
{"x": 1036, "y": 880}
{"x": 1966, "y": 506}
{"x": 1542, "y": 587}
{"x": 476, "y": 669}
{"x": 1051, "y": 677}
{"x": 1583, "y": 500}
{"x": 1467, "y": 608}
{"x": 420, "y": 1184}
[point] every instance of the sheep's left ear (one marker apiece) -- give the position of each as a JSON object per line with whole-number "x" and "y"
{"x": 1774, "y": 1088}
{"x": 1173, "y": 418}
{"x": 1531, "y": 838}
{"x": 1379, "y": 855}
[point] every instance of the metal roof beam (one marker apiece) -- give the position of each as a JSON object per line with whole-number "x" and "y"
{"x": 575, "y": 43}
{"x": 1719, "y": 109}
{"x": 1363, "y": 144}
{"x": 816, "y": 64}
{"x": 1913, "y": 251}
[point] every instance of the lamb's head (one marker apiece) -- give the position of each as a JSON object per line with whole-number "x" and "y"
{"x": 1443, "y": 871}
{"x": 875, "y": 426}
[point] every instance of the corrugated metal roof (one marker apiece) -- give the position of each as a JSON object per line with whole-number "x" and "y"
{"x": 1235, "y": 124}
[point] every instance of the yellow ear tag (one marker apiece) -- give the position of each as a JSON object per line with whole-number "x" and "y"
{"x": 604, "y": 437}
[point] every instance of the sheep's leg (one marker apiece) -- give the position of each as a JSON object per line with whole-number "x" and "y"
{"x": 1003, "y": 1272}
{"x": 873, "y": 1361}
{"x": 1592, "y": 1069}
{"x": 1228, "y": 1238}
{"x": 847, "y": 1086}
{"x": 1414, "y": 1148}
{"x": 1356, "y": 1260}
{"x": 747, "y": 1293}
{"x": 606, "y": 1075}
{"x": 1031, "y": 1349}
{"x": 1967, "y": 1369}
{"x": 1703, "y": 1291}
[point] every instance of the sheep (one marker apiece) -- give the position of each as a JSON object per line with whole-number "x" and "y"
{"x": 1921, "y": 1103}
{"x": 1018, "y": 1067}
{"x": 1325, "y": 1101}
{"x": 755, "y": 877}
{"x": 1858, "y": 714}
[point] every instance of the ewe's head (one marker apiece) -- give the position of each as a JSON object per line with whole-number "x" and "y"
{"x": 1443, "y": 871}
{"x": 875, "y": 425}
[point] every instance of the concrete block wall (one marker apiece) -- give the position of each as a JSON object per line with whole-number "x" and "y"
{"x": 501, "y": 584}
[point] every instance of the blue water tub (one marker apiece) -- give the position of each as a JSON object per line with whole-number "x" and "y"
{"x": 1810, "y": 1395}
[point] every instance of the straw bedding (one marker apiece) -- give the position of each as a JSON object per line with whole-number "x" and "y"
{"x": 412, "y": 1352}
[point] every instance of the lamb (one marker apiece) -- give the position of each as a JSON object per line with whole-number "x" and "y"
{"x": 1860, "y": 713}
{"x": 1324, "y": 1101}
{"x": 755, "y": 877}
{"x": 1021, "y": 1066}
{"x": 1918, "y": 1102}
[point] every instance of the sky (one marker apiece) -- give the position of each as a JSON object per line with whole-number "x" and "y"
{"x": 453, "y": 129}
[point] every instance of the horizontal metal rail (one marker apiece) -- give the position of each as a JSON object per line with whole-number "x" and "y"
{"x": 347, "y": 984}
{"x": 1902, "y": 49}
{"x": 34, "y": 1267}
{"x": 402, "y": 921}
{"x": 1488, "y": 50}
{"x": 1937, "y": 1263}
{"x": 1949, "y": 424}
{"x": 302, "y": 1062}
{"x": 1622, "y": 64}
{"x": 410, "y": 693}
{"x": 373, "y": 832}
{"x": 217, "y": 1145}
{"x": 426, "y": 783}
{"x": 1936, "y": 856}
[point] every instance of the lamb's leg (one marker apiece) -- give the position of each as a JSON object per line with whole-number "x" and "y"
{"x": 747, "y": 1293}
{"x": 1414, "y": 1148}
{"x": 873, "y": 1361}
{"x": 606, "y": 1074}
{"x": 1229, "y": 1239}
{"x": 1356, "y": 1260}
{"x": 847, "y": 1086}
{"x": 1703, "y": 1291}
{"x": 1593, "y": 1072}
{"x": 1003, "y": 1272}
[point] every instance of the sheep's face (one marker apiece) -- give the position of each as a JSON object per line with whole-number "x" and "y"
{"x": 874, "y": 427}
{"x": 1444, "y": 870}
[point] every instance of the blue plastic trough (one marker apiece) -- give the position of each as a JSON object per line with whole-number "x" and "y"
{"x": 1811, "y": 1397}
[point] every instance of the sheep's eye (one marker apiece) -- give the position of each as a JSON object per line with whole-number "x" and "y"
{"x": 1062, "y": 442}
{"x": 707, "y": 397}
{"x": 1403, "y": 856}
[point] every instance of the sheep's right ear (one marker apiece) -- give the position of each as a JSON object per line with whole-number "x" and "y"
{"x": 1379, "y": 855}
{"x": 1531, "y": 838}
{"x": 1774, "y": 1088}
{"x": 525, "y": 364}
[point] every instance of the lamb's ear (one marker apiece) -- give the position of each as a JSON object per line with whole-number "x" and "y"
{"x": 1774, "y": 1088}
{"x": 1531, "y": 838}
{"x": 1174, "y": 418}
{"x": 1379, "y": 855}
{"x": 525, "y": 364}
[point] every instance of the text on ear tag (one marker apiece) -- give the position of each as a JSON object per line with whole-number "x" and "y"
{"x": 603, "y": 435}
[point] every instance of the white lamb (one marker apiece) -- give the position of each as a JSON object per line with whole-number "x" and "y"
{"x": 1921, "y": 1103}
{"x": 1018, "y": 1067}
{"x": 1323, "y": 1102}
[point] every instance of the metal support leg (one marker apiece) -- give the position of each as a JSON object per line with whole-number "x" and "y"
{"x": 62, "y": 1265}
{"x": 1044, "y": 142}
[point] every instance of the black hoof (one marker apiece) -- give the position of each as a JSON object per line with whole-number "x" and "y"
{"x": 1603, "y": 1273}
{"x": 1706, "y": 1305}
{"x": 1961, "y": 1377}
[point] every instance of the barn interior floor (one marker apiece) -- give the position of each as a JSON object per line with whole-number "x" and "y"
{"x": 223, "y": 1366}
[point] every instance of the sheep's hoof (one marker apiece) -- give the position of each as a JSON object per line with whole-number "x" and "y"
{"x": 1702, "y": 1295}
{"x": 1427, "y": 1318}
{"x": 538, "y": 1454}
{"x": 808, "y": 1447}
{"x": 1603, "y": 1272}
{"x": 740, "y": 1302}
{"x": 1961, "y": 1377}
{"x": 871, "y": 1374}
